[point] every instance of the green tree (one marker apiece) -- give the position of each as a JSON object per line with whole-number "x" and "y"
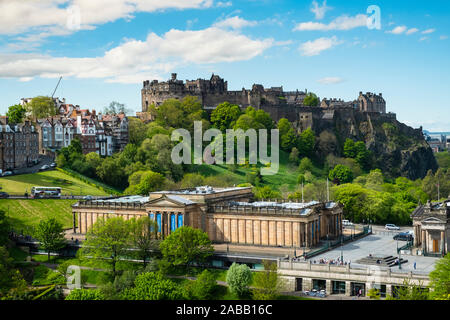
{"x": 225, "y": 115}
{"x": 94, "y": 160}
{"x": 12, "y": 284}
{"x": 85, "y": 294}
{"x": 294, "y": 156}
{"x": 137, "y": 130}
{"x": 41, "y": 107}
{"x": 374, "y": 294}
{"x": 111, "y": 172}
{"x": 341, "y": 174}
{"x": 4, "y": 228}
{"x": 267, "y": 283}
{"x": 186, "y": 245}
{"x": 204, "y": 286}
{"x": 306, "y": 143}
{"x": 107, "y": 240}
{"x": 153, "y": 286}
{"x": 440, "y": 279}
{"x": 305, "y": 165}
{"x": 16, "y": 113}
{"x": 61, "y": 161}
{"x": 267, "y": 192}
{"x": 144, "y": 182}
{"x": 50, "y": 234}
{"x": 363, "y": 156}
{"x": 311, "y": 100}
{"x": 239, "y": 277}
{"x": 143, "y": 237}
{"x": 349, "y": 148}
{"x": 116, "y": 108}
{"x": 191, "y": 180}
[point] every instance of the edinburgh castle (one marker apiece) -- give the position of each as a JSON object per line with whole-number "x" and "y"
{"x": 277, "y": 102}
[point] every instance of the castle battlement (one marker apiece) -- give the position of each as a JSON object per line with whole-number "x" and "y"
{"x": 274, "y": 100}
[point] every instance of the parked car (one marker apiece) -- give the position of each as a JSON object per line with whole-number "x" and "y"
{"x": 44, "y": 167}
{"x": 7, "y": 173}
{"x": 390, "y": 226}
{"x": 405, "y": 236}
{"x": 53, "y": 165}
{"x": 4, "y": 195}
{"x": 88, "y": 198}
{"x": 347, "y": 223}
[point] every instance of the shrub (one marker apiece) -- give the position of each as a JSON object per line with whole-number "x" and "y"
{"x": 239, "y": 277}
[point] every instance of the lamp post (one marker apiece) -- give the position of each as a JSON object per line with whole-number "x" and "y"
{"x": 399, "y": 256}
{"x": 342, "y": 255}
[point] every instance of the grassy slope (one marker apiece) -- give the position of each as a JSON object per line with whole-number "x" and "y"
{"x": 25, "y": 214}
{"x": 287, "y": 173}
{"x": 21, "y": 183}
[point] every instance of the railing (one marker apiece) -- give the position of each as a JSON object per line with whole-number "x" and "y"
{"x": 407, "y": 246}
{"x": 110, "y": 205}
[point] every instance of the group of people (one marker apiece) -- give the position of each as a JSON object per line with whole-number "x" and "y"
{"x": 333, "y": 261}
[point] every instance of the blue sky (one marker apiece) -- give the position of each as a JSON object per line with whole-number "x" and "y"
{"x": 104, "y": 49}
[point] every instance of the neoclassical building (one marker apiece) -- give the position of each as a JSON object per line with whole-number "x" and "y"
{"x": 432, "y": 228}
{"x": 227, "y": 215}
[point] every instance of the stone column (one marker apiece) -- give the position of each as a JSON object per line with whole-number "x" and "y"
{"x": 328, "y": 287}
{"x": 307, "y": 232}
{"x": 389, "y": 290}
{"x": 348, "y": 288}
{"x": 424, "y": 241}
{"x": 368, "y": 287}
{"x": 307, "y": 284}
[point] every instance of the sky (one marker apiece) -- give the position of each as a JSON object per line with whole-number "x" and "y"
{"x": 105, "y": 49}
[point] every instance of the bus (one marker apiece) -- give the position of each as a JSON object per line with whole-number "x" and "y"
{"x": 45, "y": 192}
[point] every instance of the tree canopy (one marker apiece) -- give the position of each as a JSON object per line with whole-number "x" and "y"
{"x": 186, "y": 245}
{"x": 41, "y": 107}
{"x": 16, "y": 113}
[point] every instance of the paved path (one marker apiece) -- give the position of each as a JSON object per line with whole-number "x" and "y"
{"x": 378, "y": 245}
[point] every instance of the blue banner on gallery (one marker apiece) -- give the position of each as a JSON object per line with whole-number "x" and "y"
{"x": 180, "y": 221}
{"x": 158, "y": 221}
{"x": 152, "y": 218}
{"x": 173, "y": 225}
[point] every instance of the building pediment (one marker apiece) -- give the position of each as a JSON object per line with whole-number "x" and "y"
{"x": 169, "y": 201}
{"x": 432, "y": 220}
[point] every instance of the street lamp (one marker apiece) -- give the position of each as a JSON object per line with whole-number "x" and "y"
{"x": 399, "y": 256}
{"x": 342, "y": 255}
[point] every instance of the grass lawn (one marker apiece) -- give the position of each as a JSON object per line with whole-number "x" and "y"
{"x": 20, "y": 183}
{"x": 26, "y": 214}
{"x": 286, "y": 176}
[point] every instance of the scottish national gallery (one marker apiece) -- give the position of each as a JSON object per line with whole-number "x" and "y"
{"x": 227, "y": 215}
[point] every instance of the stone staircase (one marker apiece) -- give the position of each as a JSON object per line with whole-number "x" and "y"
{"x": 382, "y": 261}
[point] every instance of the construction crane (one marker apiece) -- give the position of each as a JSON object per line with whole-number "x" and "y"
{"x": 56, "y": 86}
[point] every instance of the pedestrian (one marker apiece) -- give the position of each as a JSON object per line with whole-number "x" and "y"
{"x": 360, "y": 293}
{"x": 414, "y": 265}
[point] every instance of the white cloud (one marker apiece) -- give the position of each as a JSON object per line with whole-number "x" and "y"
{"x": 313, "y": 48}
{"x": 443, "y": 37}
{"x": 411, "y": 31}
{"x": 398, "y": 30}
{"x": 330, "y": 80}
{"x": 428, "y": 31}
{"x": 318, "y": 10}
{"x": 23, "y": 15}
{"x": 423, "y": 38}
{"x": 340, "y": 23}
{"x": 235, "y": 23}
{"x": 136, "y": 60}
{"x": 221, "y": 4}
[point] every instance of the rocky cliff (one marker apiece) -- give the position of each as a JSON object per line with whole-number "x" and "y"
{"x": 398, "y": 149}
